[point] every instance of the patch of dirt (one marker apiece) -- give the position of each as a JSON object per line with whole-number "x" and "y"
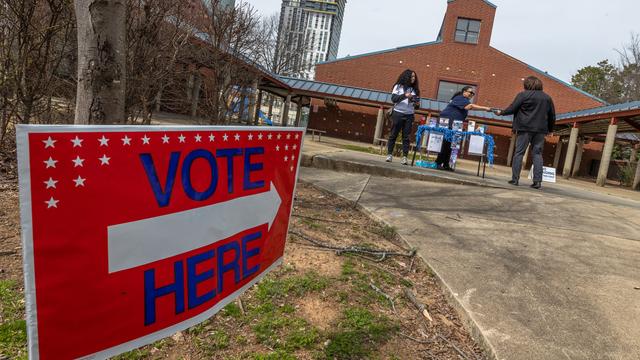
{"x": 321, "y": 313}
{"x": 10, "y": 242}
{"x": 306, "y": 259}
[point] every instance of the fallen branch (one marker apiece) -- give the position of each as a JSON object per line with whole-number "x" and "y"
{"x": 379, "y": 255}
{"x": 241, "y": 306}
{"x": 420, "y": 306}
{"x": 320, "y": 219}
{"x": 416, "y": 340}
{"x": 379, "y": 291}
{"x": 454, "y": 346}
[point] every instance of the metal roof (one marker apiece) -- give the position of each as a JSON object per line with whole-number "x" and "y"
{"x": 375, "y": 96}
{"x": 603, "y": 110}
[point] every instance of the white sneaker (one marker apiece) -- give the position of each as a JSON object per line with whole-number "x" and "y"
{"x": 404, "y": 161}
{"x": 389, "y": 158}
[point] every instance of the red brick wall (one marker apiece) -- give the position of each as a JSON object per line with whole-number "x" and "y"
{"x": 497, "y": 76}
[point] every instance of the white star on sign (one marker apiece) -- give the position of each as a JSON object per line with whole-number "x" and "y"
{"x": 237, "y": 137}
{"x": 286, "y": 147}
{"x": 126, "y": 140}
{"x": 49, "y": 142}
{"x": 79, "y": 181}
{"x": 297, "y": 136}
{"x": 104, "y": 141}
{"x": 293, "y": 157}
{"x": 286, "y": 158}
{"x": 50, "y": 163}
{"x": 260, "y": 136}
{"x": 225, "y": 137}
{"x": 211, "y": 137}
{"x": 51, "y": 183}
{"x": 104, "y": 160}
{"x": 250, "y": 137}
{"x": 165, "y": 139}
{"x": 269, "y": 136}
{"x": 295, "y": 146}
{"x": 181, "y": 138}
{"x": 77, "y": 161}
{"x": 279, "y": 136}
{"x": 277, "y": 147}
{"x": 52, "y": 203}
{"x": 198, "y": 138}
{"x": 288, "y": 136}
{"x": 145, "y": 140}
{"x": 292, "y": 168}
{"x": 77, "y": 142}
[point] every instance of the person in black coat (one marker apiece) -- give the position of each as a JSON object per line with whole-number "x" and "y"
{"x": 534, "y": 118}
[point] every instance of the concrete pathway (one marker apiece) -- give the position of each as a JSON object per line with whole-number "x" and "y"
{"x": 332, "y": 155}
{"x": 539, "y": 275}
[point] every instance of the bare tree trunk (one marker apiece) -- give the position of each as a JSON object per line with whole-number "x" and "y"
{"x": 101, "y": 61}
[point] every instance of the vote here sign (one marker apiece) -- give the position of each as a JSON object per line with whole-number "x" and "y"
{"x": 133, "y": 233}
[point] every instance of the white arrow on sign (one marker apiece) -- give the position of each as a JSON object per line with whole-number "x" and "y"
{"x": 142, "y": 242}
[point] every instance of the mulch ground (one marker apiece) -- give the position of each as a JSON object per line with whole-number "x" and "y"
{"x": 342, "y": 293}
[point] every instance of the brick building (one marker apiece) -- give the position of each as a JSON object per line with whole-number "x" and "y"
{"x": 461, "y": 55}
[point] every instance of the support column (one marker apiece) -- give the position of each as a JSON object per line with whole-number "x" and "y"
{"x": 578, "y": 161}
{"x": 571, "y": 151}
{"x": 636, "y": 180}
{"x": 556, "y": 158}
{"x": 512, "y": 148}
{"x": 379, "y": 126}
{"x": 285, "y": 111}
{"x": 256, "y": 117}
{"x": 253, "y": 100}
{"x": 606, "y": 152}
{"x": 298, "y": 115}
{"x": 270, "y": 113}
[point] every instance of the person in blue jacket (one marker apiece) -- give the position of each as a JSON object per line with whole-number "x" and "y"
{"x": 406, "y": 99}
{"x": 458, "y": 109}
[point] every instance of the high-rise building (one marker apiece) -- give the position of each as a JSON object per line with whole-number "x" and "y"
{"x": 308, "y": 33}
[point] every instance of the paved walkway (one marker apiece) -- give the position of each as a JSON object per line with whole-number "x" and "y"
{"x": 333, "y": 154}
{"x": 541, "y": 276}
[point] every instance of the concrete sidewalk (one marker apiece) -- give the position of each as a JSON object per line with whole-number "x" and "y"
{"x": 334, "y": 154}
{"x": 536, "y": 275}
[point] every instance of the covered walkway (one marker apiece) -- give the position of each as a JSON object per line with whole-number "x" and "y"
{"x": 604, "y": 124}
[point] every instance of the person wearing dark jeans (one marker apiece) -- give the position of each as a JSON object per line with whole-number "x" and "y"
{"x": 534, "y": 117}
{"x": 401, "y": 122}
{"x": 537, "y": 145}
{"x": 406, "y": 99}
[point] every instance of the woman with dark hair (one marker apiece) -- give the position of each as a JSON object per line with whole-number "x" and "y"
{"x": 406, "y": 99}
{"x": 458, "y": 109}
{"x": 535, "y": 117}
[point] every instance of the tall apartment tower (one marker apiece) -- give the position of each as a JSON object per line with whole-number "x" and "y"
{"x": 309, "y": 33}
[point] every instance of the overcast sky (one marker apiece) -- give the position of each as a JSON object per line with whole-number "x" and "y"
{"x": 558, "y": 36}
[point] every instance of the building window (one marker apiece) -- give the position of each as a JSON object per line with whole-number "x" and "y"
{"x": 446, "y": 90}
{"x": 468, "y": 31}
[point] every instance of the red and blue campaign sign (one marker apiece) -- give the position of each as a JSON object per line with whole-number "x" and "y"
{"x": 133, "y": 233}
